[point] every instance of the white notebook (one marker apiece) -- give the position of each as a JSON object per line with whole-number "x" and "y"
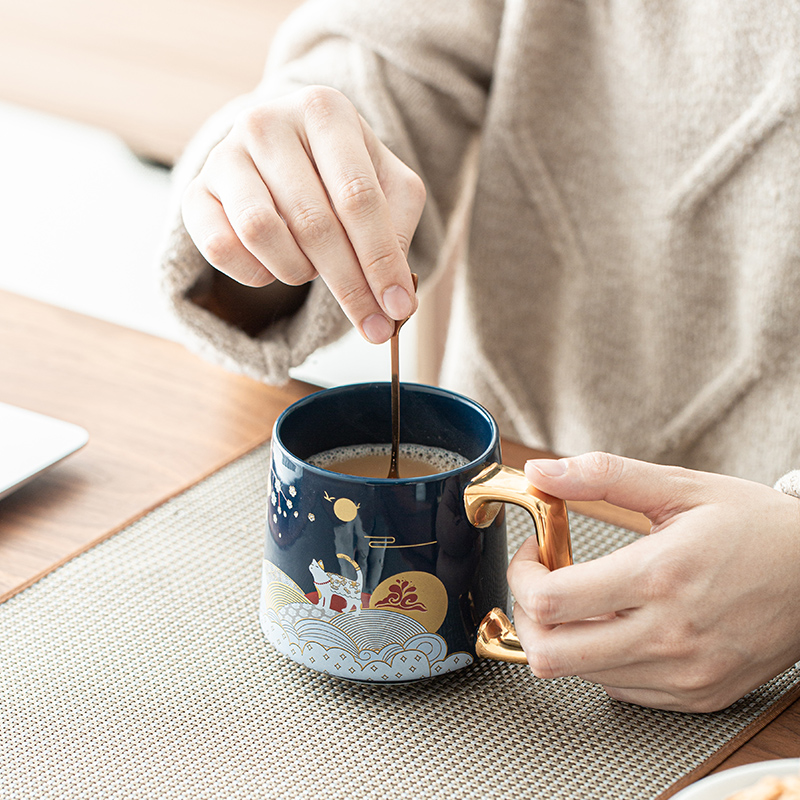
{"x": 30, "y": 443}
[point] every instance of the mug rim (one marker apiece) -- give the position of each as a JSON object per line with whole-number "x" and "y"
{"x": 421, "y": 388}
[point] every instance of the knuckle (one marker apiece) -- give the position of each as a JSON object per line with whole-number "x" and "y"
{"x": 405, "y": 245}
{"x": 312, "y": 225}
{"x": 379, "y": 263}
{"x": 678, "y": 644}
{"x": 664, "y": 577}
{"x": 219, "y": 249}
{"x": 684, "y": 487}
{"x": 606, "y": 467}
{"x": 319, "y": 103}
{"x": 355, "y": 296}
{"x": 543, "y": 664}
{"x": 252, "y": 123}
{"x": 542, "y": 607}
{"x": 698, "y": 682}
{"x": 222, "y": 252}
{"x": 255, "y": 225}
{"x": 683, "y": 492}
{"x": 218, "y": 157}
{"x": 358, "y": 196}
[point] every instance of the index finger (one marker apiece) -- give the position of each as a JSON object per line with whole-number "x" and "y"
{"x": 348, "y": 173}
{"x": 581, "y": 591}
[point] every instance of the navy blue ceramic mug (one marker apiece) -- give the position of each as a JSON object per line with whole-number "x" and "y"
{"x": 389, "y": 580}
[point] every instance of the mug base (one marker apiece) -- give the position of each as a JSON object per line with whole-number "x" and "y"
{"x": 364, "y": 645}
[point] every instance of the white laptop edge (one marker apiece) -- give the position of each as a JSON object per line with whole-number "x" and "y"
{"x": 31, "y": 443}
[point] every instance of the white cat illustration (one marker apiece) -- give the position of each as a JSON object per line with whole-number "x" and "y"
{"x": 330, "y": 584}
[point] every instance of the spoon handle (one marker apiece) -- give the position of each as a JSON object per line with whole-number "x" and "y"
{"x": 393, "y": 470}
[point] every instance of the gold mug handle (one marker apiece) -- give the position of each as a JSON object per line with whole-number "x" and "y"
{"x": 483, "y": 499}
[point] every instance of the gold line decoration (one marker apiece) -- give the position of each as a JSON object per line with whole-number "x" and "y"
{"x": 388, "y": 543}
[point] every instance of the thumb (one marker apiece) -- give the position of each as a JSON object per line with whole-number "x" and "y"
{"x": 654, "y": 490}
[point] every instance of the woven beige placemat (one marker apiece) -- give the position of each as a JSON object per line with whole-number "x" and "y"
{"x": 138, "y": 670}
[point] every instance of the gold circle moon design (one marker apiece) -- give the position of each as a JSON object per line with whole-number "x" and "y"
{"x": 345, "y": 510}
{"x": 418, "y": 595}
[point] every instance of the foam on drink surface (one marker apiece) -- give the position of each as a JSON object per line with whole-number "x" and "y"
{"x": 372, "y": 460}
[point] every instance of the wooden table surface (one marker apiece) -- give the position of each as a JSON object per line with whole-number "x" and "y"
{"x": 159, "y": 420}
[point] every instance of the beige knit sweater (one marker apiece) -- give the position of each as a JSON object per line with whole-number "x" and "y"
{"x": 633, "y": 270}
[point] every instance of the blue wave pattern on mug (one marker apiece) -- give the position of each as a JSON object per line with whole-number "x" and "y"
{"x": 370, "y": 644}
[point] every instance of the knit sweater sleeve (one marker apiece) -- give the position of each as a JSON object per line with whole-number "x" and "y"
{"x": 419, "y": 73}
{"x": 790, "y": 483}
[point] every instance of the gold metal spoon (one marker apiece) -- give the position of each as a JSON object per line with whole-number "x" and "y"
{"x": 395, "y": 343}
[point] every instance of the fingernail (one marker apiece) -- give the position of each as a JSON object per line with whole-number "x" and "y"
{"x": 549, "y": 467}
{"x": 397, "y": 302}
{"x": 377, "y": 328}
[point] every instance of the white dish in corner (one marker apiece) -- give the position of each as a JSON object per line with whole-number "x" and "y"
{"x": 723, "y": 784}
{"x": 31, "y": 443}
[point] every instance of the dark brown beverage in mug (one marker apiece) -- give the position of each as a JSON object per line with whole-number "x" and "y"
{"x": 372, "y": 460}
